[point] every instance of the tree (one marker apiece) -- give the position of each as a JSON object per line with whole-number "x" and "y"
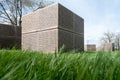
{"x": 108, "y": 37}
{"x": 44, "y": 3}
{"x": 11, "y": 11}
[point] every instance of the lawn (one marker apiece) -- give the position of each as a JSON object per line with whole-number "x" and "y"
{"x": 25, "y": 65}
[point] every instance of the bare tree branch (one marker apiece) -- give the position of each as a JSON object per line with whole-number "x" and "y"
{"x": 108, "y": 37}
{"x": 6, "y": 13}
{"x": 1, "y": 12}
{"x": 4, "y": 17}
{"x": 16, "y": 7}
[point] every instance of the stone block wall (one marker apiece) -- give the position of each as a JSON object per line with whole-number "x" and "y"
{"x": 71, "y": 29}
{"x": 106, "y": 47}
{"x": 10, "y": 36}
{"x": 90, "y": 47}
{"x": 49, "y": 28}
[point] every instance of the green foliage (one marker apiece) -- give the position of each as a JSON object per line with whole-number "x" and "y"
{"x": 25, "y": 65}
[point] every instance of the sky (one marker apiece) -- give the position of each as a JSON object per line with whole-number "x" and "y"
{"x": 99, "y": 16}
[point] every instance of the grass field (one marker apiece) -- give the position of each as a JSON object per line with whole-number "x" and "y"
{"x": 25, "y": 65}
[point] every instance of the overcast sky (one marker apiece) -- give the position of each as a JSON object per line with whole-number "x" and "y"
{"x": 99, "y": 16}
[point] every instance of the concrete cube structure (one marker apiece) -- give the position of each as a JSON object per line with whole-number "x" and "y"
{"x": 90, "y": 47}
{"x": 106, "y": 47}
{"x": 49, "y": 28}
{"x": 10, "y": 36}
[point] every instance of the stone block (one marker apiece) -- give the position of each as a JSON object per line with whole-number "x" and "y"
{"x": 10, "y": 36}
{"x": 90, "y": 47}
{"x": 49, "y": 28}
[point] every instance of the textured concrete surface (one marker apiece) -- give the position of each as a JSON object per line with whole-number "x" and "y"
{"x": 42, "y": 19}
{"x": 106, "y": 47}
{"x": 10, "y": 36}
{"x": 71, "y": 29}
{"x": 70, "y": 21}
{"x": 49, "y": 28}
{"x": 90, "y": 47}
{"x": 45, "y": 41}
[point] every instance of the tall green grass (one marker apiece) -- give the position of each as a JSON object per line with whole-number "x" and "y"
{"x": 25, "y": 65}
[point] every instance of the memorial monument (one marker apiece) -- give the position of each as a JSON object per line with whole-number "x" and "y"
{"x": 49, "y": 28}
